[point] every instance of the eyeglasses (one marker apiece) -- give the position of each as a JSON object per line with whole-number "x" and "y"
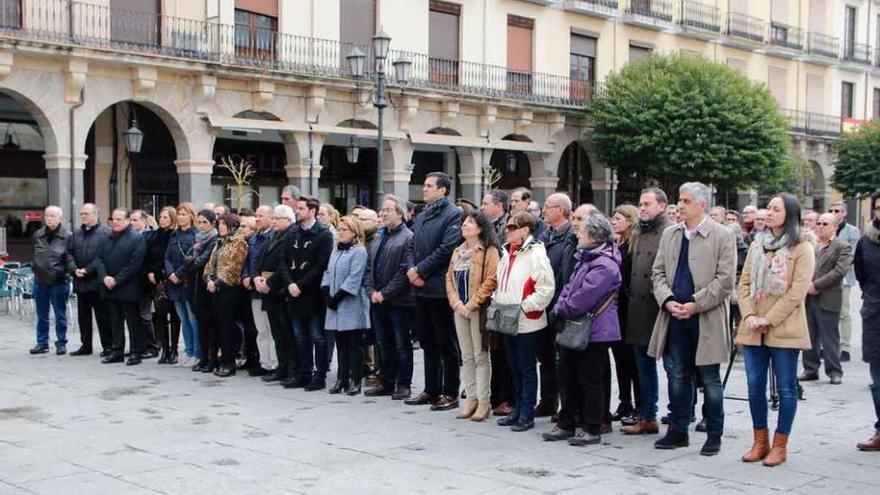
{"x": 823, "y": 224}
{"x": 512, "y": 226}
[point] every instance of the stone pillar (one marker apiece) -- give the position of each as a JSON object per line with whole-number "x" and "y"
{"x": 298, "y": 175}
{"x": 602, "y": 195}
{"x": 58, "y": 168}
{"x": 542, "y": 187}
{"x": 194, "y": 178}
{"x": 396, "y": 182}
{"x": 471, "y": 174}
{"x": 299, "y": 149}
{"x": 397, "y": 169}
{"x": 746, "y": 197}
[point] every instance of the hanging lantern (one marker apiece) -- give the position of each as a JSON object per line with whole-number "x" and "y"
{"x": 134, "y": 138}
{"x": 510, "y": 162}
{"x": 352, "y": 152}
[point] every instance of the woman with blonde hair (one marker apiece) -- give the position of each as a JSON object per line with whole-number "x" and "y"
{"x": 166, "y": 323}
{"x": 348, "y": 309}
{"x": 624, "y": 222}
{"x": 180, "y": 246}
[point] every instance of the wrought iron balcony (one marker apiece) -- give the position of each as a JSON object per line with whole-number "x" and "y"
{"x": 745, "y": 27}
{"x": 104, "y": 28}
{"x": 822, "y": 45}
{"x": 858, "y": 53}
{"x": 785, "y": 36}
{"x": 658, "y": 10}
{"x": 604, "y": 8}
{"x": 813, "y": 124}
{"x": 700, "y": 16}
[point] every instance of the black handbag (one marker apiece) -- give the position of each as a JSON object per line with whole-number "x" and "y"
{"x": 575, "y": 334}
{"x": 503, "y": 318}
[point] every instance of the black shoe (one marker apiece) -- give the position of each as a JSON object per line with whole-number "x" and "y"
{"x": 800, "y": 392}
{"x": 557, "y": 434}
{"x": 508, "y": 420}
{"x": 133, "y": 360}
{"x": 808, "y": 377}
{"x": 585, "y": 439}
{"x": 149, "y": 353}
{"x": 316, "y": 383}
{"x": 163, "y": 356}
{"x": 355, "y": 389}
{"x": 380, "y": 391}
{"x": 225, "y": 371}
{"x": 701, "y": 426}
{"x": 664, "y": 419}
{"x": 338, "y": 387}
{"x": 672, "y": 440}
{"x": 295, "y": 382}
{"x": 258, "y": 371}
{"x": 844, "y": 356}
{"x": 623, "y": 411}
{"x": 105, "y": 353}
{"x": 39, "y": 350}
{"x": 82, "y": 351}
{"x": 210, "y": 367}
{"x": 836, "y": 379}
{"x": 274, "y": 376}
{"x": 172, "y": 358}
{"x": 712, "y": 446}
{"x": 630, "y": 420}
{"x": 201, "y": 367}
{"x": 113, "y": 358}
{"x": 523, "y": 426}
{"x": 61, "y": 350}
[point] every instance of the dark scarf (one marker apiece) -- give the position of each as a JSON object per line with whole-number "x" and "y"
{"x": 344, "y": 246}
{"x": 650, "y": 225}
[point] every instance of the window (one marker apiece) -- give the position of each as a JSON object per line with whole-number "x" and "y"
{"x": 876, "y": 112}
{"x": 777, "y": 80}
{"x": 443, "y": 38}
{"x": 849, "y": 32}
{"x": 815, "y": 93}
{"x": 255, "y": 35}
{"x": 582, "y": 70}
{"x": 357, "y": 25}
{"x": 846, "y": 100}
{"x": 519, "y": 54}
{"x": 133, "y": 22}
{"x": 10, "y": 14}
{"x": 638, "y": 52}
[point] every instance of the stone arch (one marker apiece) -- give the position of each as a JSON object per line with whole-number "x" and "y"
{"x": 48, "y": 131}
{"x": 444, "y": 131}
{"x": 516, "y": 167}
{"x": 575, "y": 173}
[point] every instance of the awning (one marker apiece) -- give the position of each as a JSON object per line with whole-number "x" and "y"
{"x": 469, "y": 142}
{"x": 251, "y": 125}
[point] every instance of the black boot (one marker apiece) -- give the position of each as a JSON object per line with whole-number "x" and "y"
{"x": 317, "y": 383}
{"x": 355, "y": 389}
{"x": 339, "y": 387}
{"x": 171, "y": 357}
{"x": 163, "y": 356}
{"x": 672, "y": 440}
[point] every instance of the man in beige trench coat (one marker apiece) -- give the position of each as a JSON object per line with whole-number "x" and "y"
{"x": 693, "y": 276}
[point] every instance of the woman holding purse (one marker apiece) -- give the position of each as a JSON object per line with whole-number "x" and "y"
{"x": 470, "y": 281}
{"x": 592, "y": 289}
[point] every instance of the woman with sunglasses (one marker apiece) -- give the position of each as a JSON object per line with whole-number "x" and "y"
{"x": 525, "y": 277}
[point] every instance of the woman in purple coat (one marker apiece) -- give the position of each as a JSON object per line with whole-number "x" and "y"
{"x": 591, "y": 289}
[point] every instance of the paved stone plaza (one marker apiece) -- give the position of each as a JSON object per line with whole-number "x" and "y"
{"x": 72, "y": 425}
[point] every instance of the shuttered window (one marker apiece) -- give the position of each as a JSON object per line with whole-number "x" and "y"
{"x": 847, "y": 90}
{"x": 443, "y": 41}
{"x": 876, "y": 113}
{"x": 582, "y": 70}
{"x": 267, "y": 8}
{"x": 357, "y": 22}
{"x": 815, "y": 93}
{"x": 519, "y": 54}
{"x": 637, "y": 52}
{"x": 777, "y": 80}
{"x": 135, "y": 21}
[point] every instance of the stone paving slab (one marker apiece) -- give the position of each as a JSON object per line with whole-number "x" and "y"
{"x": 72, "y": 425}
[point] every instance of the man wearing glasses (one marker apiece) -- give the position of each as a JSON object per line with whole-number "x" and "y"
{"x": 833, "y": 260}
{"x": 849, "y": 234}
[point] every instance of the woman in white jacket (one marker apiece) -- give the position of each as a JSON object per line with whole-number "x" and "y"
{"x": 525, "y": 277}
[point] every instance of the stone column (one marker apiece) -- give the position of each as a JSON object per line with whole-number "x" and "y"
{"x": 61, "y": 194}
{"x": 471, "y": 174}
{"x": 746, "y": 197}
{"x": 299, "y": 175}
{"x": 299, "y": 149}
{"x": 542, "y": 187}
{"x": 194, "y": 178}
{"x": 397, "y": 169}
{"x": 602, "y": 196}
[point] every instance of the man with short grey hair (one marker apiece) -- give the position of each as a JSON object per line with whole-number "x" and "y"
{"x": 849, "y": 234}
{"x": 52, "y": 263}
{"x": 289, "y": 195}
{"x": 717, "y": 214}
{"x": 494, "y": 205}
{"x": 256, "y": 243}
{"x": 693, "y": 277}
{"x": 84, "y": 247}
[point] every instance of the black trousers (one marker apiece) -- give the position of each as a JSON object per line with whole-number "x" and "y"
{"x": 582, "y": 386}
{"x": 627, "y": 376}
{"x": 350, "y": 353}
{"x": 227, "y": 303}
{"x": 440, "y": 345}
{"x": 166, "y": 324}
{"x": 88, "y": 303}
{"x": 122, "y": 314}
{"x": 249, "y": 330}
{"x": 502, "y": 379}
{"x": 209, "y": 329}
{"x": 546, "y": 354}
{"x": 282, "y": 333}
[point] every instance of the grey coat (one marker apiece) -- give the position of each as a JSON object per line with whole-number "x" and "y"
{"x": 643, "y": 308}
{"x": 832, "y": 263}
{"x": 849, "y": 234}
{"x": 345, "y": 271}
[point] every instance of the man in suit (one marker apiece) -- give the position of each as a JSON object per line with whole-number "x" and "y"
{"x": 833, "y": 259}
{"x": 85, "y": 246}
{"x": 256, "y": 243}
{"x": 119, "y": 270}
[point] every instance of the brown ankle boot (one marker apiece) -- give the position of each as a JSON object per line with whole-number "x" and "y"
{"x": 470, "y": 407}
{"x": 760, "y": 447}
{"x": 483, "y": 411}
{"x": 778, "y": 453}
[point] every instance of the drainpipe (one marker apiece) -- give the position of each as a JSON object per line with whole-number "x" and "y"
{"x": 82, "y": 100}
{"x": 311, "y": 163}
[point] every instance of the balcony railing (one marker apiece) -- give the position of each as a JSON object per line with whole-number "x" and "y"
{"x": 101, "y": 27}
{"x": 786, "y": 36}
{"x": 822, "y": 45}
{"x": 859, "y": 53}
{"x": 700, "y": 16}
{"x": 745, "y": 27}
{"x": 813, "y": 124}
{"x": 606, "y": 7}
{"x": 659, "y": 10}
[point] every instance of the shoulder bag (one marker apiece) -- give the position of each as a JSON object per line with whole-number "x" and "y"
{"x": 575, "y": 334}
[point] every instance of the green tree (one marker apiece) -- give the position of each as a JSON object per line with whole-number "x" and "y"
{"x": 678, "y": 119}
{"x": 857, "y": 169}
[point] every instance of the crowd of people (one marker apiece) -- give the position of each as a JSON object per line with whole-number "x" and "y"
{"x": 522, "y": 309}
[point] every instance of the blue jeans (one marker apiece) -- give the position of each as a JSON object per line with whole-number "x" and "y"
{"x": 190, "y": 327}
{"x": 392, "y": 326}
{"x": 648, "y": 383}
{"x": 679, "y": 360}
{"x": 521, "y": 350}
{"x": 785, "y": 363}
{"x": 311, "y": 344}
{"x": 875, "y": 392}
{"x": 55, "y": 296}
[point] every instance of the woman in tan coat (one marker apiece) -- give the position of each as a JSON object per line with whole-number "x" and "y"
{"x": 776, "y": 277}
{"x": 470, "y": 282}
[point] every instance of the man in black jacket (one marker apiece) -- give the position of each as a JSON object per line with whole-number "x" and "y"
{"x": 119, "y": 270}
{"x": 306, "y": 257}
{"x": 392, "y": 300}
{"x": 436, "y": 233}
{"x": 51, "y": 265}
{"x": 85, "y": 246}
{"x": 268, "y": 282}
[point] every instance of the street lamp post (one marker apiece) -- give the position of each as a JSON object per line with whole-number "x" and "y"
{"x": 356, "y": 59}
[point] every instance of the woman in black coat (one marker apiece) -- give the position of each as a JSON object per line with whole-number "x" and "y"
{"x": 867, "y": 266}
{"x": 624, "y": 222}
{"x": 206, "y": 237}
{"x": 166, "y": 323}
